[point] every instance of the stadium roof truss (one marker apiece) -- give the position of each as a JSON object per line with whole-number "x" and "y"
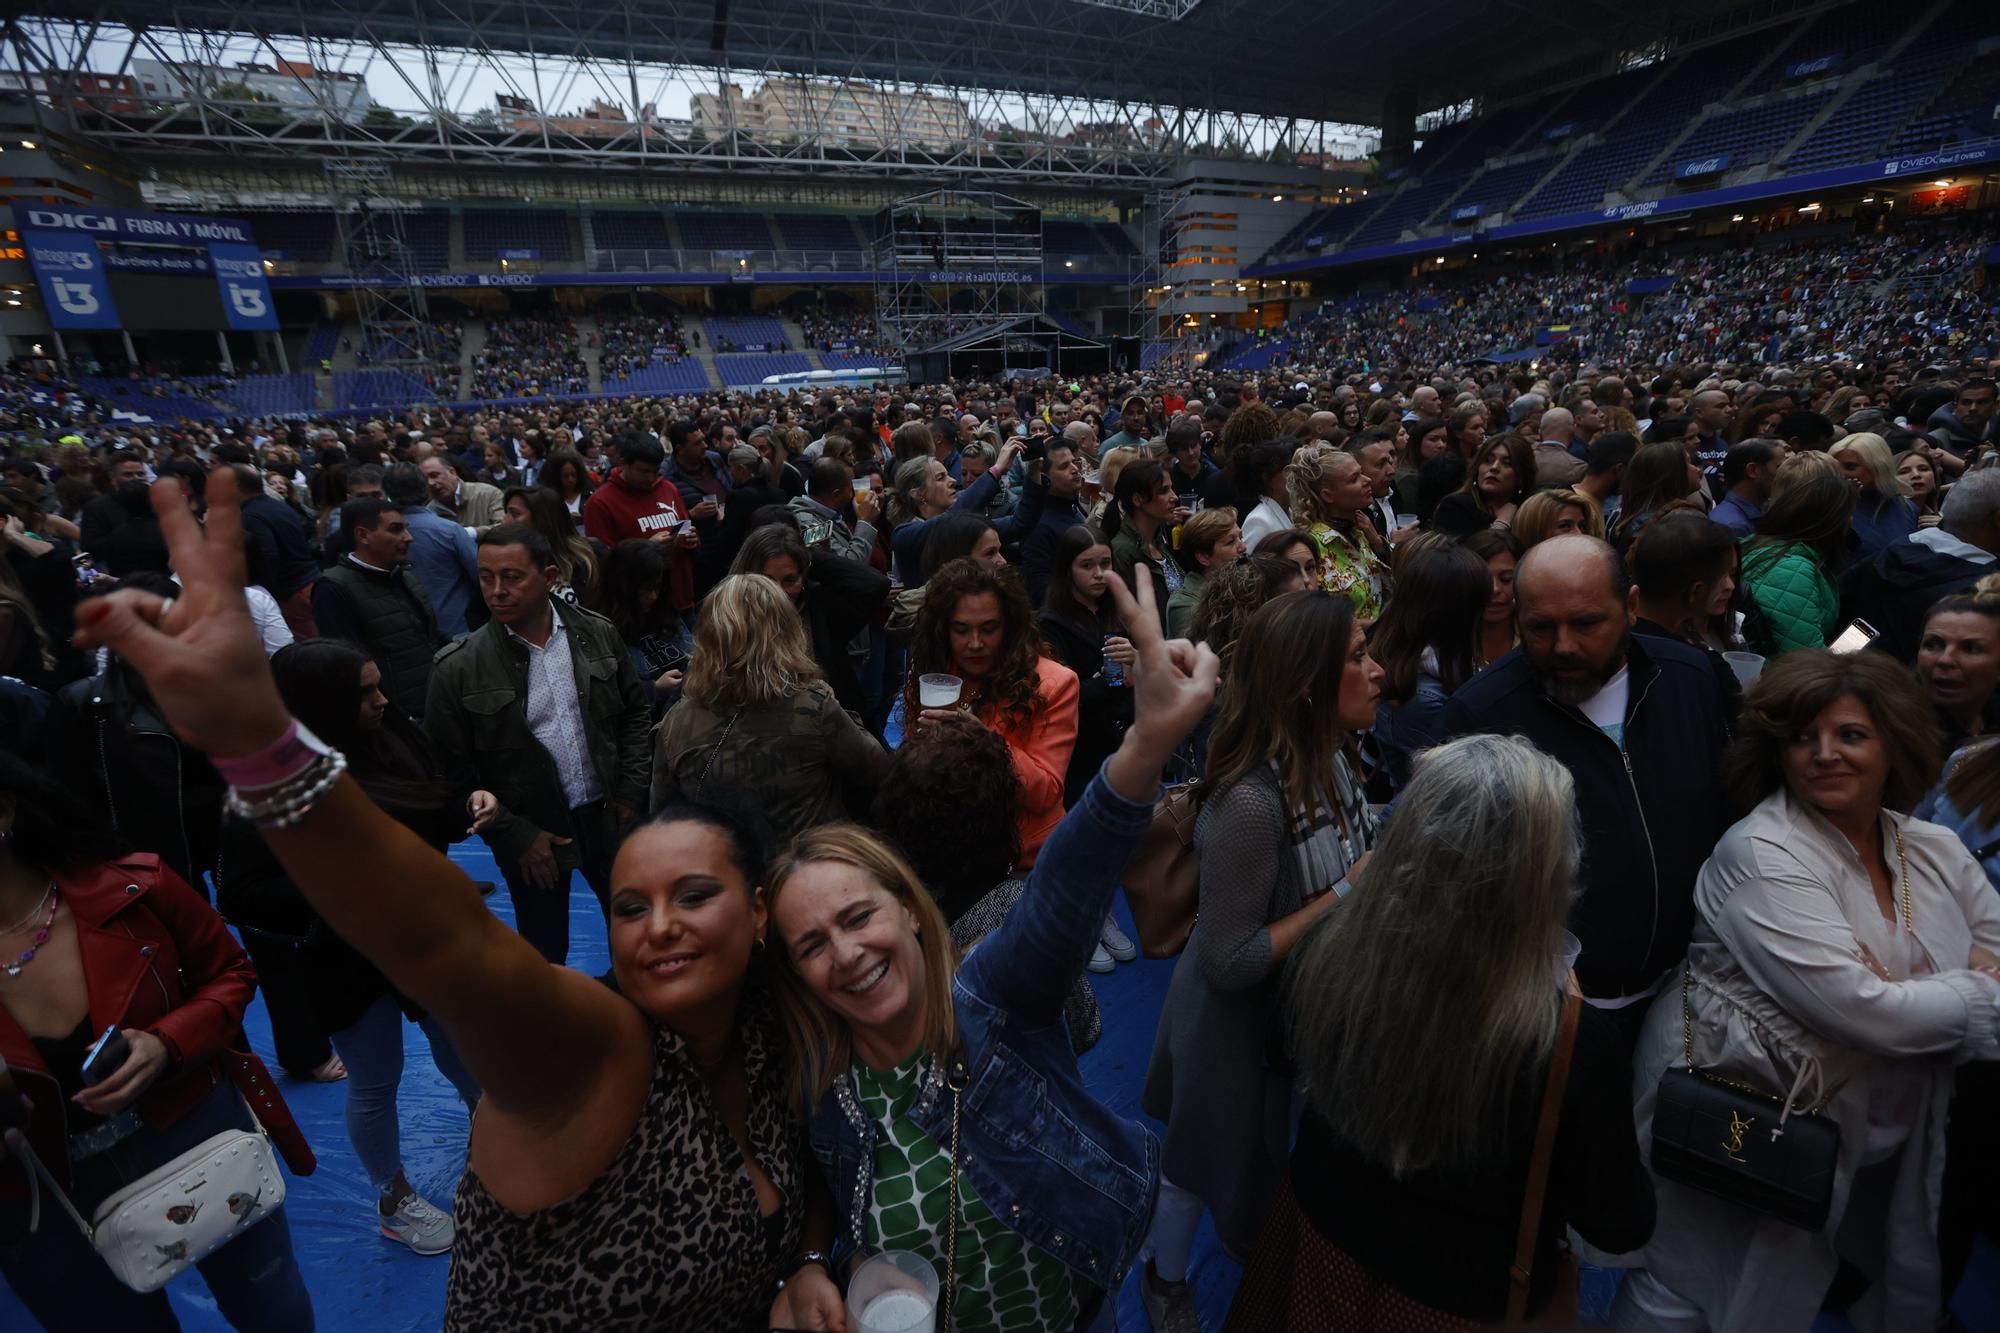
{"x": 435, "y": 100}
{"x": 1058, "y": 92}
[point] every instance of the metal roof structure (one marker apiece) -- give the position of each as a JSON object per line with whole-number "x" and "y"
{"x": 1288, "y": 58}
{"x": 1109, "y": 93}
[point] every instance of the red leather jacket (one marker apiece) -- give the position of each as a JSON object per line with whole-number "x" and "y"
{"x": 157, "y": 958}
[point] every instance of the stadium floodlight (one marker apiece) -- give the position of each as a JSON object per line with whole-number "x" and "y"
{"x": 27, "y": 143}
{"x": 1942, "y": 185}
{"x": 1171, "y": 10}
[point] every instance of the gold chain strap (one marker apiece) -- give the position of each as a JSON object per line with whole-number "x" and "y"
{"x": 951, "y": 1218}
{"x": 1903, "y": 873}
{"x": 1687, "y": 1045}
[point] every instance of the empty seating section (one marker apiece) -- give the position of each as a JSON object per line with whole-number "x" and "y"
{"x": 1407, "y": 209}
{"x": 1857, "y": 131}
{"x": 488, "y": 231}
{"x": 323, "y": 343}
{"x": 272, "y": 395}
{"x": 1630, "y": 142}
{"x": 619, "y": 229}
{"x": 683, "y": 376}
{"x": 1953, "y": 114}
{"x": 746, "y": 331}
{"x": 1854, "y": 33}
{"x": 818, "y": 231}
{"x": 428, "y": 237}
{"x": 1316, "y": 223}
{"x": 377, "y": 388}
{"x": 307, "y": 237}
{"x": 724, "y": 231}
{"x": 1497, "y": 189}
{"x": 752, "y": 367}
{"x": 1747, "y": 137}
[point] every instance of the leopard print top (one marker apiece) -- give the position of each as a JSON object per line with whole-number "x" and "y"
{"x": 668, "y": 1237}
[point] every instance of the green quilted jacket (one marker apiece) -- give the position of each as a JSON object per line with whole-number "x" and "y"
{"x": 1800, "y": 604}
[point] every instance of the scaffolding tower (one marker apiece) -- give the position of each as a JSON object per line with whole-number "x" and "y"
{"x": 401, "y": 353}
{"x": 1156, "y": 316}
{"x": 949, "y": 262}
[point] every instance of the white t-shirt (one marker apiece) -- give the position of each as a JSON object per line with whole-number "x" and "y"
{"x": 1606, "y": 708}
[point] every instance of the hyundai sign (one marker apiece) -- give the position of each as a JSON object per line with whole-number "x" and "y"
{"x": 1703, "y": 166}
{"x": 70, "y": 272}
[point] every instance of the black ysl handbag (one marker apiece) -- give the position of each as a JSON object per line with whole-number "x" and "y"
{"x": 1737, "y": 1144}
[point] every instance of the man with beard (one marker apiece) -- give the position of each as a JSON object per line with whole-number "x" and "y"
{"x": 1640, "y": 724}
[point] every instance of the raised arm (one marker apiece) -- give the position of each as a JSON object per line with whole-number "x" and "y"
{"x": 539, "y": 1038}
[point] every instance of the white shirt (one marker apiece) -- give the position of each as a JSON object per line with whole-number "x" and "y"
{"x": 1606, "y": 708}
{"x": 272, "y": 631}
{"x": 555, "y": 714}
{"x": 1266, "y": 518}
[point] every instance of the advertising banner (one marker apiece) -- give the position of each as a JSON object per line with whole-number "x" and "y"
{"x": 70, "y": 272}
{"x": 246, "y": 297}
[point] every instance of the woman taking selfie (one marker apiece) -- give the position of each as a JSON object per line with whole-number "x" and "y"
{"x": 933, "y": 1083}
{"x": 1843, "y": 961}
{"x": 976, "y": 624}
{"x": 1425, "y": 1069}
{"x": 664, "y": 1094}
{"x": 756, "y": 720}
{"x": 1283, "y": 827}
{"x": 103, "y": 941}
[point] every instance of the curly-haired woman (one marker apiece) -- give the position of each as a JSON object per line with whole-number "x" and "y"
{"x": 1330, "y": 497}
{"x": 976, "y": 624}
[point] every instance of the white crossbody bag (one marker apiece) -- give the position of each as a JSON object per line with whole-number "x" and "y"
{"x": 159, "y": 1226}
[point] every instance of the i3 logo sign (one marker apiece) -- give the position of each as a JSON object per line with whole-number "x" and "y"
{"x": 76, "y": 298}
{"x": 247, "y": 301}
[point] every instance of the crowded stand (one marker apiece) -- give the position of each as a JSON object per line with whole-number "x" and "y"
{"x": 631, "y": 343}
{"x": 527, "y": 355}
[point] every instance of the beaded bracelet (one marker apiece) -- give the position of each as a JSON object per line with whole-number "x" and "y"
{"x": 285, "y": 805}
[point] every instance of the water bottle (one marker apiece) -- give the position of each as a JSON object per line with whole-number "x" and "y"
{"x": 1113, "y": 672}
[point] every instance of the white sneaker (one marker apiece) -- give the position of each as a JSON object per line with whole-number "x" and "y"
{"x": 419, "y": 1225}
{"x": 1116, "y": 942}
{"x": 1100, "y": 961}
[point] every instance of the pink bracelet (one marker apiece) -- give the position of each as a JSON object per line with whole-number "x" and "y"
{"x": 277, "y": 762}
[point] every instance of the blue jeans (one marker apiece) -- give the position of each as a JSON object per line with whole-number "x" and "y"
{"x": 372, "y": 1050}
{"x": 255, "y": 1278}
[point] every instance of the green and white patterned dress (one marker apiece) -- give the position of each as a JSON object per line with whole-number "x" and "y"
{"x": 1003, "y": 1282}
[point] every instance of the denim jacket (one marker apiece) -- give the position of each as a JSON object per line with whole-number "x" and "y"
{"x": 1982, "y": 840}
{"x": 1066, "y": 1172}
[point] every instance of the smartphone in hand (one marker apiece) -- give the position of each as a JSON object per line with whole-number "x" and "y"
{"x": 105, "y": 1056}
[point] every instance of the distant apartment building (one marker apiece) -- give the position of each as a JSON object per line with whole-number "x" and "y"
{"x": 288, "y": 83}
{"x": 841, "y": 113}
